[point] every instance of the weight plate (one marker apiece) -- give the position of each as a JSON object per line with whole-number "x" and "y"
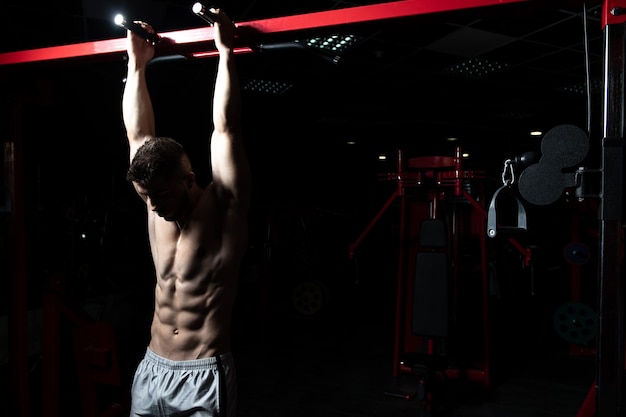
{"x": 576, "y": 323}
{"x": 309, "y": 297}
{"x": 576, "y": 253}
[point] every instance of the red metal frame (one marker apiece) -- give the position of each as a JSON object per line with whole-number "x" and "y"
{"x": 449, "y": 174}
{"x": 251, "y": 32}
{"x": 608, "y": 17}
{"x": 588, "y": 407}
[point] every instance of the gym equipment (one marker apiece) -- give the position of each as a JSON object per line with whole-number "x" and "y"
{"x": 93, "y": 350}
{"x": 508, "y": 178}
{"x": 611, "y": 346}
{"x": 430, "y": 290}
{"x": 252, "y": 33}
{"x": 203, "y": 13}
{"x": 137, "y": 29}
{"x": 430, "y": 371}
{"x": 610, "y": 397}
{"x": 430, "y": 311}
{"x": 576, "y": 323}
{"x": 309, "y": 297}
{"x": 576, "y": 253}
{"x": 439, "y": 216}
{"x": 562, "y": 147}
{"x": 442, "y": 284}
{"x": 583, "y": 274}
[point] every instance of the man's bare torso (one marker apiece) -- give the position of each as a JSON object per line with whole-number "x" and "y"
{"x": 197, "y": 270}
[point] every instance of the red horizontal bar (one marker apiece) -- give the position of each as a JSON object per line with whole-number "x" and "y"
{"x": 197, "y": 40}
{"x": 238, "y": 50}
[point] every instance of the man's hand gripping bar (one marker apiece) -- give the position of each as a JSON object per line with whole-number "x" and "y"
{"x": 137, "y": 29}
{"x": 203, "y": 13}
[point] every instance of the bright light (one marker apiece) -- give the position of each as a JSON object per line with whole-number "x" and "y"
{"x": 382, "y": 157}
{"x": 536, "y": 133}
{"x": 200, "y": 11}
{"x": 197, "y": 7}
{"x": 335, "y": 43}
{"x": 119, "y": 20}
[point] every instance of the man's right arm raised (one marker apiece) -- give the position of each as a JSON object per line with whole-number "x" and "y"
{"x": 137, "y": 111}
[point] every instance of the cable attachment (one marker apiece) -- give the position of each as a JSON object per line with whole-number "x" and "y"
{"x": 508, "y": 173}
{"x": 508, "y": 179}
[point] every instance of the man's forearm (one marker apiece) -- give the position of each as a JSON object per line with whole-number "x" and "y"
{"x": 137, "y": 108}
{"x": 226, "y": 95}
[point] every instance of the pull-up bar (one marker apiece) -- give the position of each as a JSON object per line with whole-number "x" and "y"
{"x": 251, "y": 33}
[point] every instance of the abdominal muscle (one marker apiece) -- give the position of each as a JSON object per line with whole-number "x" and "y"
{"x": 189, "y": 326}
{"x": 196, "y": 283}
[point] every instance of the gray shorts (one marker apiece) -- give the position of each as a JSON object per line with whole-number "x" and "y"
{"x": 199, "y": 388}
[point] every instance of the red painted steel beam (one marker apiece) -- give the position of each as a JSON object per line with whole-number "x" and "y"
{"x": 251, "y": 32}
{"x": 613, "y": 12}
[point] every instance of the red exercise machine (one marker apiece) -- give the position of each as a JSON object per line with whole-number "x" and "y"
{"x": 442, "y": 306}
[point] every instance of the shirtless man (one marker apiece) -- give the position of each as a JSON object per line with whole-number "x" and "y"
{"x": 198, "y": 237}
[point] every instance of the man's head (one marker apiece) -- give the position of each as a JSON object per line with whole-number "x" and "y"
{"x": 159, "y": 157}
{"x": 161, "y": 173}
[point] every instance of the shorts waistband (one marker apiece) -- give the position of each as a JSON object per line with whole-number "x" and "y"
{"x": 193, "y": 364}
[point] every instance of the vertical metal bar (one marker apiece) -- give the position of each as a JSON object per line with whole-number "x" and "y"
{"x": 400, "y": 290}
{"x": 610, "y": 345}
{"x": 401, "y": 272}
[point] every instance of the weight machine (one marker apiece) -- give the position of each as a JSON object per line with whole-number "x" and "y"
{"x": 442, "y": 284}
{"x": 608, "y": 391}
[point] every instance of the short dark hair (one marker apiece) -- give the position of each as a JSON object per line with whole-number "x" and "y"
{"x": 159, "y": 157}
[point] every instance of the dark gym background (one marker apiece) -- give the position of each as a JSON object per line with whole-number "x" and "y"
{"x": 314, "y": 327}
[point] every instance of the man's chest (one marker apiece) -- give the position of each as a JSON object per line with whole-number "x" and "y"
{"x": 186, "y": 253}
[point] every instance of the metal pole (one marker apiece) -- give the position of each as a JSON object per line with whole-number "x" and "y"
{"x": 610, "y": 344}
